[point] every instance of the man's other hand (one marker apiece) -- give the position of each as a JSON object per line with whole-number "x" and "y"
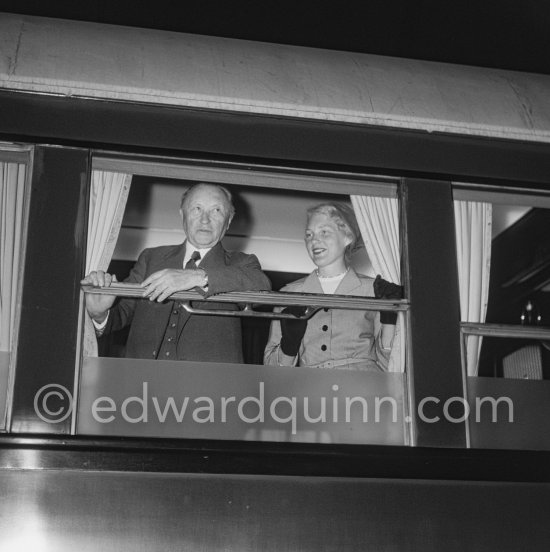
{"x": 98, "y": 305}
{"x": 163, "y": 283}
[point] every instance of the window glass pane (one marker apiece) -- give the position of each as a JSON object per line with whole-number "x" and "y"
{"x": 511, "y": 409}
{"x": 504, "y": 271}
{"x": 142, "y": 212}
{"x": 520, "y": 260}
{"x": 206, "y": 400}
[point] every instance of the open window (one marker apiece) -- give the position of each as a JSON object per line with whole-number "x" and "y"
{"x": 504, "y": 278}
{"x": 134, "y": 205}
{"x": 14, "y": 196}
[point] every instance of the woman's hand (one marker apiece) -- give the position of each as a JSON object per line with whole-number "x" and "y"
{"x": 292, "y": 331}
{"x": 386, "y": 290}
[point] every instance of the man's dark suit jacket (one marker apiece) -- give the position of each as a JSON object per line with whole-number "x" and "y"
{"x": 200, "y": 337}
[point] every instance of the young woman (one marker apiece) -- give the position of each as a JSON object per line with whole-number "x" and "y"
{"x": 334, "y": 338}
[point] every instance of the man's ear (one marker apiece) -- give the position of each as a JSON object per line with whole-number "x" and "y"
{"x": 228, "y": 223}
{"x": 183, "y": 222}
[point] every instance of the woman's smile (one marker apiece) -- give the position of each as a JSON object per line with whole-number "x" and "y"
{"x": 326, "y": 244}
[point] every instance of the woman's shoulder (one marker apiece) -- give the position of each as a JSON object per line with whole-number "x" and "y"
{"x": 366, "y": 282}
{"x": 363, "y": 277}
{"x": 297, "y": 285}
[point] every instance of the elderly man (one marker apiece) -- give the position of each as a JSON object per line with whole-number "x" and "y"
{"x": 162, "y": 329}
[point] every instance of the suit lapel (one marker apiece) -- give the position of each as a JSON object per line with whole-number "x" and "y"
{"x": 312, "y": 284}
{"x": 173, "y": 258}
{"x": 214, "y": 258}
{"x": 349, "y": 284}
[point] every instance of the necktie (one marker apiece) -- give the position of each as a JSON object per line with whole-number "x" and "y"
{"x": 192, "y": 262}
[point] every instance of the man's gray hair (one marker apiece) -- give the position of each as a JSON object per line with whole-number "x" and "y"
{"x": 229, "y": 197}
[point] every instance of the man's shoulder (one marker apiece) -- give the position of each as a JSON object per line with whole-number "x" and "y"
{"x": 161, "y": 250}
{"x": 158, "y": 256}
{"x": 237, "y": 256}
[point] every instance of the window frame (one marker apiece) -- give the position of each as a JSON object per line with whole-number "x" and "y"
{"x": 480, "y": 434}
{"x": 252, "y": 175}
{"x": 502, "y": 195}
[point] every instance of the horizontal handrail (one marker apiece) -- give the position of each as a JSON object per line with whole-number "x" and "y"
{"x": 248, "y": 310}
{"x": 505, "y": 330}
{"x": 315, "y": 301}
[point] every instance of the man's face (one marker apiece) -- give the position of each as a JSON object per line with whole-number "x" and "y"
{"x": 206, "y": 216}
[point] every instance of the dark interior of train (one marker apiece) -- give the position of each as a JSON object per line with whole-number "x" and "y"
{"x": 519, "y": 293}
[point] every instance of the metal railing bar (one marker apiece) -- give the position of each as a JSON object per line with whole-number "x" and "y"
{"x": 505, "y": 330}
{"x": 270, "y": 298}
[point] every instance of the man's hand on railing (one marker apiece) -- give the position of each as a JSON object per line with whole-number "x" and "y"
{"x": 163, "y": 283}
{"x": 98, "y": 305}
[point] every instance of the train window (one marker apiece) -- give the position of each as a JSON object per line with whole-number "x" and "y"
{"x": 504, "y": 280}
{"x": 14, "y": 191}
{"x": 326, "y": 398}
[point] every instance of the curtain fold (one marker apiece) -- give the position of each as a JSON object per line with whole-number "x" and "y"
{"x": 108, "y": 197}
{"x": 12, "y": 211}
{"x": 378, "y": 219}
{"x": 473, "y": 228}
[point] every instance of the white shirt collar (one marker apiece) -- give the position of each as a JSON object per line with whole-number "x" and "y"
{"x": 190, "y": 249}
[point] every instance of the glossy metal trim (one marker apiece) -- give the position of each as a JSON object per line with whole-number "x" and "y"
{"x": 505, "y": 330}
{"x": 273, "y": 298}
{"x": 273, "y": 177}
{"x": 238, "y": 457}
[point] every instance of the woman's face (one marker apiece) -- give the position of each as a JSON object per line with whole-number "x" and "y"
{"x": 325, "y": 242}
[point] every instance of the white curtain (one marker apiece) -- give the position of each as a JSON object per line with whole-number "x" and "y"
{"x": 108, "y": 198}
{"x": 378, "y": 219}
{"x": 12, "y": 207}
{"x": 473, "y": 226}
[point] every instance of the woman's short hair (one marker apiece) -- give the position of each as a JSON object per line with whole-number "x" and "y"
{"x": 344, "y": 217}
